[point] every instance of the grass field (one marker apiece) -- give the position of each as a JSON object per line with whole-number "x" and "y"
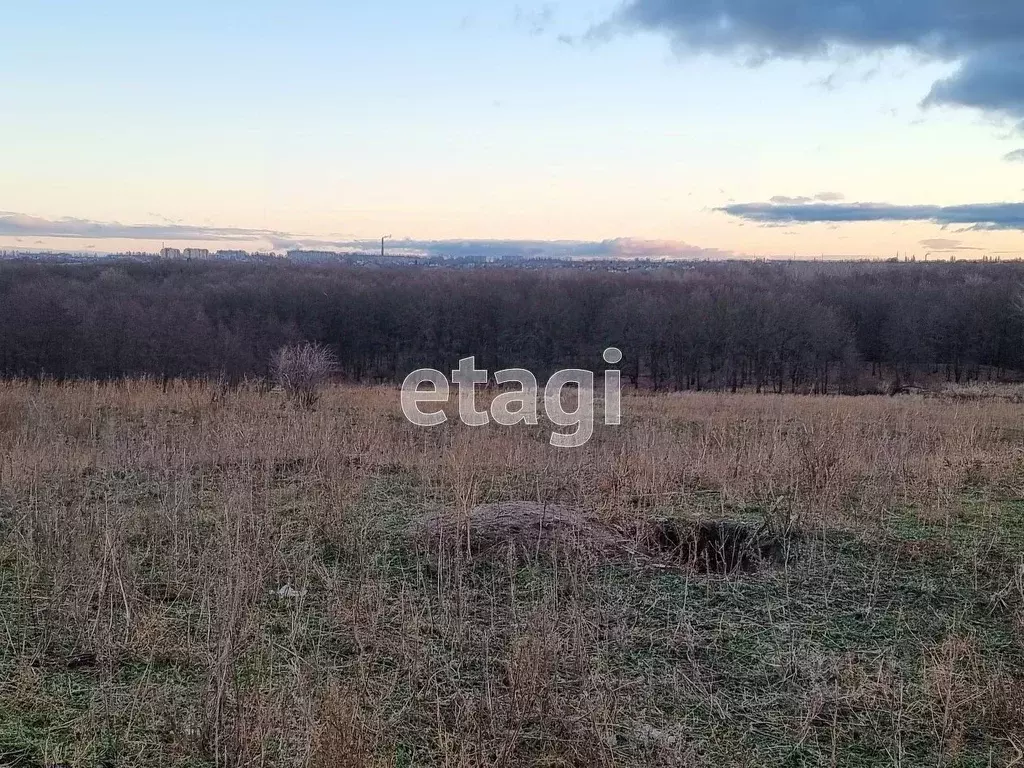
{"x": 194, "y": 578}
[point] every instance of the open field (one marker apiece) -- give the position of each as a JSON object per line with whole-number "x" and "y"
{"x": 193, "y": 578}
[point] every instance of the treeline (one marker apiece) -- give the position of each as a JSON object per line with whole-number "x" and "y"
{"x": 781, "y": 328}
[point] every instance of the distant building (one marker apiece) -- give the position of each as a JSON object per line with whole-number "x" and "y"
{"x": 170, "y": 253}
{"x": 197, "y": 253}
{"x": 232, "y": 255}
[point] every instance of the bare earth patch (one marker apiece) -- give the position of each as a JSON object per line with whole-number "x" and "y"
{"x": 527, "y": 527}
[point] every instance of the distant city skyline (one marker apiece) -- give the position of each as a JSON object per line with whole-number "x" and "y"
{"x": 652, "y": 128}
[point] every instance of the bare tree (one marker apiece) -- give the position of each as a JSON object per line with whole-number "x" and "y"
{"x": 301, "y": 370}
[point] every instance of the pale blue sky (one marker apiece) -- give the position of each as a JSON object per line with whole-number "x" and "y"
{"x": 341, "y": 121}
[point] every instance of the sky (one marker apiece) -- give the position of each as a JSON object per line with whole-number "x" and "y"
{"x": 687, "y": 128}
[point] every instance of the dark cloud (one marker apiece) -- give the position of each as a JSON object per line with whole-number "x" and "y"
{"x": 986, "y": 36}
{"x": 788, "y": 28}
{"x": 15, "y": 224}
{"x": 992, "y": 81}
{"x": 976, "y": 215}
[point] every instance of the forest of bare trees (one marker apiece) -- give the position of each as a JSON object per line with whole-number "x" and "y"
{"x": 766, "y": 327}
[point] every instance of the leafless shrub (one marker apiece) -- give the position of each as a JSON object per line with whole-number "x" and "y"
{"x": 300, "y": 370}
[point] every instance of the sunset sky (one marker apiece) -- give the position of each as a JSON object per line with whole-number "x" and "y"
{"x": 652, "y": 127}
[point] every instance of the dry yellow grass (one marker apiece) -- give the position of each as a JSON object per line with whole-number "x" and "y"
{"x": 197, "y": 577}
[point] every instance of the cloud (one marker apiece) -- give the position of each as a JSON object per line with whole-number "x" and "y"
{"x": 19, "y": 224}
{"x": 1017, "y": 156}
{"x": 783, "y": 200}
{"x": 824, "y": 197}
{"x": 652, "y": 249}
{"x": 1009, "y": 216}
{"x": 946, "y": 244}
{"x": 985, "y": 36}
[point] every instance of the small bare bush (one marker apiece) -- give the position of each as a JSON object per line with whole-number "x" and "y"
{"x": 301, "y": 370}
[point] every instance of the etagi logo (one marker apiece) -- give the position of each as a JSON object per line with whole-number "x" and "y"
{"x": 519, "y": 406}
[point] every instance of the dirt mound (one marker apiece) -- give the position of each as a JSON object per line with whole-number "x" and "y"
{"x": 527, "y": 527}
{"x": 530, "y": 529}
